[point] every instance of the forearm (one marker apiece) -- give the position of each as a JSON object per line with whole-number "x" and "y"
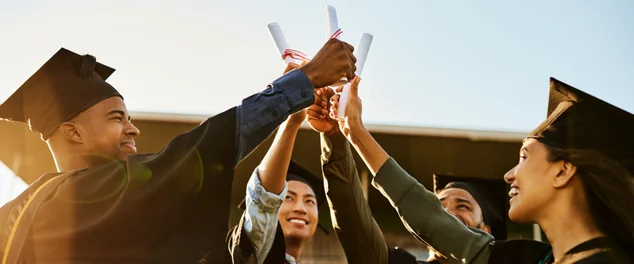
{"x": 260, "y": 114}
{"x": 420, "y": 210}
{"x": 260, "y": 219}
{"x": 373, "y": 155}
{"x": 423, "y": 215}
{"x": 274, "y": 165}
{"x": 358, "y": 233}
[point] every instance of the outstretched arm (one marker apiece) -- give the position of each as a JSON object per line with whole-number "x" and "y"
{"x": 419, "y": 209}
{"x": 356, "y": 229}
{"x": 358, "y": 233}
{"x": 260, "y": 114}
{"x": 267, "y": 187}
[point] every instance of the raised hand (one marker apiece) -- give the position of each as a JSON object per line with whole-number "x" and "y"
{"x": 318, "y": 117}
{"x": 333, "y": 61}
{"x": 352, "y": 118}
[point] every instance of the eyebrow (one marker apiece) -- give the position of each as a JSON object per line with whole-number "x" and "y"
{"x": 525, "y": 148}
{"x": 120, "y": 112}
{"x": 295, "y": 194}
{"x": 116, "y": 112}
{"x": 460, "y": 200}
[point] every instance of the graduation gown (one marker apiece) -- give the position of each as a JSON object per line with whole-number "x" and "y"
{"x": 401, "y": 256}
{"x": 165, "y": 207}
{"x": 600, "y": 250}
{"x": 360, "y": 236}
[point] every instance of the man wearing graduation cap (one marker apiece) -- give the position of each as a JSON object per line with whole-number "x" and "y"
{"x": 574, "y": 176}
{"x": 106, "y": 203}
{"x": 479, "y": 203}
{"x": 281, "y": 205}
{"x": 274, "y": 228}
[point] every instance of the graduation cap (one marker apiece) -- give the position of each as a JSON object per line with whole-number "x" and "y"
{"x": 491, "y": 195}
{"x": 66, "y": 85}
{"x": 301, "y": 174}
{"x": 577, "y": 120}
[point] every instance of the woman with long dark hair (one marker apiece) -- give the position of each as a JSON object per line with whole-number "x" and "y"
{"x": 574, "y": 178}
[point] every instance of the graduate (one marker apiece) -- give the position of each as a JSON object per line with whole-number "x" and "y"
{"x": 275, "y": 227}
{"x": 282, "y": 202}
{"x": 478, "y": 203}
{"x": 573, "y": 179}
{"x": 108, "y": 204}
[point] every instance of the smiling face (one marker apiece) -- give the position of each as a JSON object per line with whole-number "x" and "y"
{"x": 531, "y": 182}
{"x": 463, "y": 206}
{"x": 298, "y": 213}
{"x": 106, "y": 130}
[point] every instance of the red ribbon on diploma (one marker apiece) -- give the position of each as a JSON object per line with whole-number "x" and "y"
{"x": 294, "y": 54}
{"x": 298, "y": 55}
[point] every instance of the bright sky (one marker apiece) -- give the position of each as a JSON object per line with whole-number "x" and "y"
{"x": 452, "y": 64}
{"x": 10, "y": 185}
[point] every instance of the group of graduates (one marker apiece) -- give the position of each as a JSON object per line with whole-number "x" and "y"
{"x": 108, "y": 204}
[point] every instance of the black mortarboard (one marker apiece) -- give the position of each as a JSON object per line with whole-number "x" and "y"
{"x": 63, "y": 87}
{"x": 577, "y": 120}
{"x": 491, "y": 195}
{"x": 299, "y": 173}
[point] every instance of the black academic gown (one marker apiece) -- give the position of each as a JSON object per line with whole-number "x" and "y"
{"x": 401, "y": 256}
{"x": 165, "y": 207}
{"x": 534, "y": 252}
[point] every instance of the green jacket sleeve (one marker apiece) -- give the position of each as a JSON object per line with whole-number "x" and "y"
{"x": 358, "y": 233}
{"x": 424, "y": 217}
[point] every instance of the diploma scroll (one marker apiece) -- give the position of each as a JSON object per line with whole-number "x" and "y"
{"x": 332, "y": 30}
{"x": 361, "y": 53}
{"x": 332, "y": 23}
{"x": 280, "y": 41}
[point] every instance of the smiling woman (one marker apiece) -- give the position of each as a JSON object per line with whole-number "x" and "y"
{"x": 578, "y": 194}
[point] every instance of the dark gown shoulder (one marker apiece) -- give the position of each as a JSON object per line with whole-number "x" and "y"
{"x": 607, "y": 257}
{"x": 401, "y": 256}
{"x": 166, "y": 207}
{"x": 518, "y": 252}
{"x": 615, "y": 252}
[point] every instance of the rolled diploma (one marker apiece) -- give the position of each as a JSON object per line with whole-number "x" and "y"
{"x": 332, "y": 25}
{"x": 280, "y": 40}
{"x": 361, "y": 53}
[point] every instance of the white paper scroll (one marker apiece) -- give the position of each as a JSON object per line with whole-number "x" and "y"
{"x": 361, "y": 53}
{"x": 280, "y": 40}
{"x": 332, "y": 25}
